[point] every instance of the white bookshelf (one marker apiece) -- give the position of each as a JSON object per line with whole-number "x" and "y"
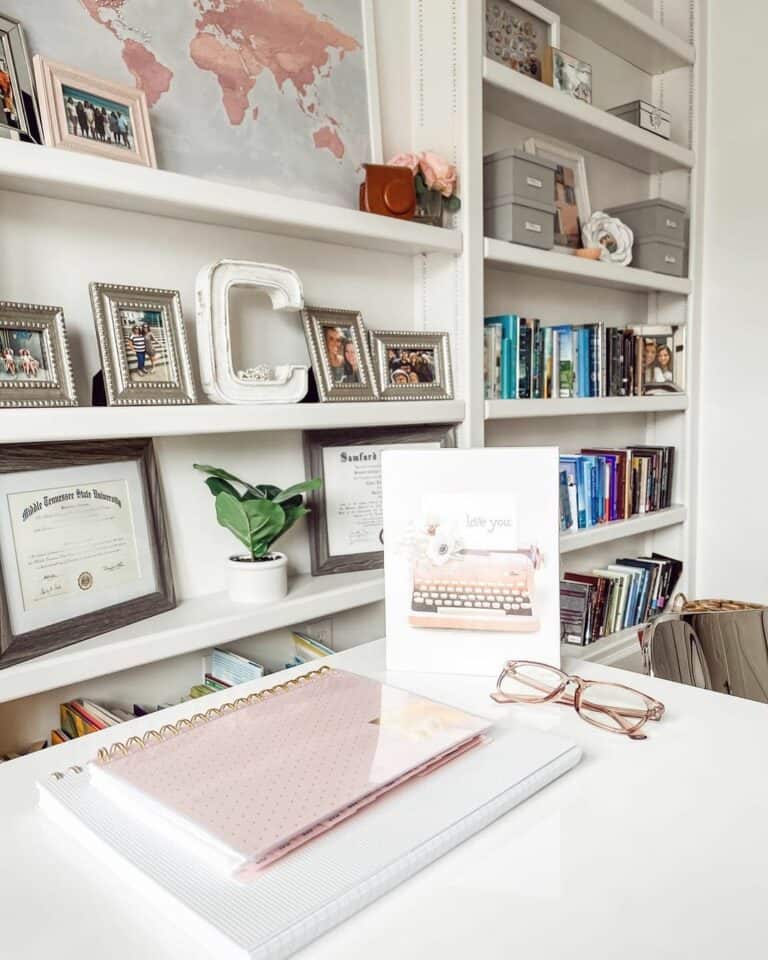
{"x": 96, "y": 219}
{"x": 105, "y": 423}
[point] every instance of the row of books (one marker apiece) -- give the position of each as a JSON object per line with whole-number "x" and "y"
{"x": 601, "y": 485}
{"x": 526, "y": 360}
{"x": 624, "y": 594}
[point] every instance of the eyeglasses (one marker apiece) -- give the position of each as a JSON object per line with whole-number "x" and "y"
{"x": 609, "y": 706}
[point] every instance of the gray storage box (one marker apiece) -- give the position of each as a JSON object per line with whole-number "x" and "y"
{"x": 645, "y": 115}
{"x": 518, "y": 174}
{"x": 653, "y": 218}
{"x": 660, "y": 255}
{"x": 520, "y": 220}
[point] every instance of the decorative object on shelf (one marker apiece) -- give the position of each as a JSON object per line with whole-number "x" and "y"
{"x": 663, "y": 359}
{"x": 568, "y": 74}
{"x": 412, "y": 365}
{"x": 83, "y": 543}
{"x": 645, "y": 115}
{"x": 35, "y": 369}
{"x": 278, "y": 73}
{"x": 345, "y": 525}
{"x": 660, "y": 235}
{"x": 19, "y": 118}
{"x": 86, "y": 113}
{"x": 518, "y": 193}
{"x": 434, "y": 180}
{"x": 613, "y": 237}
{"x": 338, "y": 348}
{"x": 264, "y": 383}
{"x": 258, "y": 517}
{"x": 519, "y": 34}
{"x": 143, "y": 345}
{"x": 388, "y": 190}
{"x": 471, "y": 558}
{"x": 571, "y": 197}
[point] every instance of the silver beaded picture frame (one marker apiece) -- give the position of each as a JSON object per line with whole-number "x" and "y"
{"x": 412, "y": 364}
{"x": 339, "y": 352}
{"x": 35, "y": 368}
{"x": 143, "y": 345}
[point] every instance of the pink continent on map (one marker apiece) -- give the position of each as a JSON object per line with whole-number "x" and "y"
{"x": 238, "y": 39}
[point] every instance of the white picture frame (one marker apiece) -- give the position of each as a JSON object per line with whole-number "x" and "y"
{"x": 565, "y": 157}
{"x": 470, "y": 521}
{"x": 495, "y": 44}
{"x": 264, "y": 383}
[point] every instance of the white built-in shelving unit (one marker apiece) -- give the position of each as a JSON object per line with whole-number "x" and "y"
{"x": 70, "y": 219}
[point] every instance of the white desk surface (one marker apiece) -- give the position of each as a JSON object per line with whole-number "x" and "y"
{"x": 656, "y": 848}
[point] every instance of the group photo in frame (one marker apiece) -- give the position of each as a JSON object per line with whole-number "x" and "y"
{"x": 35, "y": 366}
{"x": 338, "y": 349}
{"x": 83, "y": 112}
{"x": 345, "y": 521}
{"x": 83, "y": 543}
{"x": 412, "y": 365}
{"x": 143, "y": 345}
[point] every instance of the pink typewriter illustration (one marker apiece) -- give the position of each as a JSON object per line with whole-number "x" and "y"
{"x": 467, "y": 575}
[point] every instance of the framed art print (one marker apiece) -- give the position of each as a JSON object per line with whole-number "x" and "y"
{"x": 572, "y": 209}
{"x": 471, "y": 558}
{"x": 35, "y": 369}
{"x": 83, "y": 544}
{"x": 19, "y": 118}
{"x": 338, "y": 350}
{"x": 519, "y": 34}
{"x": 345, "y": 519}
{"x": 568, "y": 74}
{"x": 143, "y": 345}
{"x": 412, "y": 365}
{"x": 84, "y": 112}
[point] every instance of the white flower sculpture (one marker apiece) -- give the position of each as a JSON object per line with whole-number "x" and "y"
{"x": 613, "y": 237}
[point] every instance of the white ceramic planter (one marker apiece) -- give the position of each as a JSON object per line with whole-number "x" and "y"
{"x": 257, "y": 581}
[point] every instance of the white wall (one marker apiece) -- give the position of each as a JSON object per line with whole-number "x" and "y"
{"x": 733, "y": 464}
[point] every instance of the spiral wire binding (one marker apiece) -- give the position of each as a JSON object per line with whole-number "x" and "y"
{"x": 169, "y": 730}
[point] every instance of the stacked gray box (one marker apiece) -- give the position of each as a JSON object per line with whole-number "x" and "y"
{"x": 660, "y": 229}
{"x": 519, "y": 192}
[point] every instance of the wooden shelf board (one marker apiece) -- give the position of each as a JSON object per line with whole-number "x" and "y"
{"x": 66, "y": 175}
{"x": 103, "y": 423}
{"x": 618, "y": 529}
{"x": 515, "y": 257}
{"x": 518, "y": 98}
{"x": 614, "y": 646}
{"x": 582, "y": 406}
{"x": 194, "y": 625}
{"x": 630, "y": 34}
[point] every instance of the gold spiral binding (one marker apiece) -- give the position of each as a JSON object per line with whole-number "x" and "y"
{"x": 58, "y": 775}
{"x": 168, "y": 730}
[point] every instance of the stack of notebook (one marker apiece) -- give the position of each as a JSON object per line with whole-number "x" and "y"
{"x": 213, "y": 817}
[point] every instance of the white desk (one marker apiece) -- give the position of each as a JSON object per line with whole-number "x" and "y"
{"x": 648, "y": 849}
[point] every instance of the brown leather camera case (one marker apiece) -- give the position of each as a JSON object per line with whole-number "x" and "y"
{"x": 388, "y": 191}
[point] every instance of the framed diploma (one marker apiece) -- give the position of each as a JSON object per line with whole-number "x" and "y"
{"x": 345, "y": 522}
{"x": 83, "y": 545}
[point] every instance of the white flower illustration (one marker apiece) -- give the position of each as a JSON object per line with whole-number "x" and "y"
{"x": 442, "y": 546}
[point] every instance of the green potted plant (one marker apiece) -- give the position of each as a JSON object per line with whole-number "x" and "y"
{"x": 258, "y": 515}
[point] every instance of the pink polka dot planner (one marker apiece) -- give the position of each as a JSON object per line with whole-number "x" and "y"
{"x": 253, "y": 782}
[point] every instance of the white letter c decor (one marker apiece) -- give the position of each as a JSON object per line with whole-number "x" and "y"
{"x": 284, "y": 383}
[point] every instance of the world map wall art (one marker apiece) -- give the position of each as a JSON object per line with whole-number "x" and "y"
{"x": 279, "y": 95}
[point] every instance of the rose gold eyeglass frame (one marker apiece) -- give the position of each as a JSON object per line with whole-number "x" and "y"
{"x": 626, "y": 720}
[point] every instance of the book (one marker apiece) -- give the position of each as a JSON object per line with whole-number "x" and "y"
{"x": 302, "y": 896}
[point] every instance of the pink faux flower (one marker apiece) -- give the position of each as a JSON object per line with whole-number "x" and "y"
{"x": 438, "y": 173}
{"x": 409, "y": 160}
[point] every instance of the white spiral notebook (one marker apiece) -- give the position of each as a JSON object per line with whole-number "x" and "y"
{"x": 325, "y": 882}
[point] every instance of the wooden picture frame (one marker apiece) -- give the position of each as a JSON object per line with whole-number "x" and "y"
{"x": 427, "y": 377}
{"x": 35, "y": 367}
{"x": 364, "y": 444}
{"x": 86, "y": 113}
{"x": 16, "y": 646}
{"x": 345, "y": 379}
{"x": 161, "y": 377}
